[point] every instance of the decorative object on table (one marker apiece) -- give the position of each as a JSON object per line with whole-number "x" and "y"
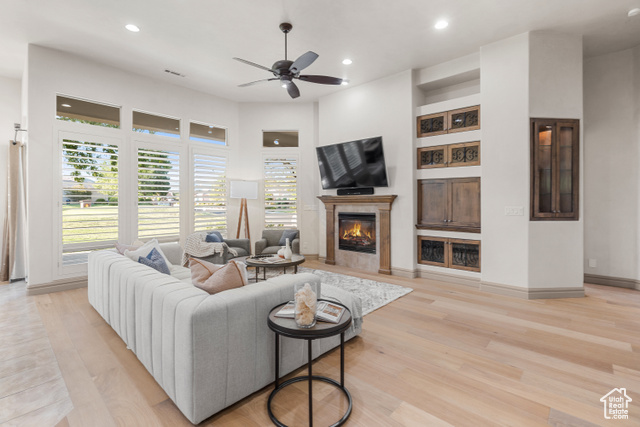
{"x": 285, "y": 71}
{"x": 281, "y": 252}
{"x": 197, "y": 246}
{"x": 270, "y": 241}
{"x": 287, "y": 250}
{"x": 329, "y": 312}
{"x": 243, "y": 190}
{"x": 372, "y": 294}
{"x": 306, "y": 301}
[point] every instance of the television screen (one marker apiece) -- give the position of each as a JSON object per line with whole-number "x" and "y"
{"x": 353, "y": 164}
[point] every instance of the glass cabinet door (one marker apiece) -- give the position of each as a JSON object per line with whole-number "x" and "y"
{"x": 432, "y": 157}
{"x": 554, "y": 169}
{"x": 432, "y": 251}
{"x": 432, "y": 124}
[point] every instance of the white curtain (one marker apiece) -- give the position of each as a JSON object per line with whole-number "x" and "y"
{"x": 14, "y": 247}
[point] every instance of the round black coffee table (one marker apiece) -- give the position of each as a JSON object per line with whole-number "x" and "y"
{"x": 259, "y": 263}
{"x": 288, "y": 328}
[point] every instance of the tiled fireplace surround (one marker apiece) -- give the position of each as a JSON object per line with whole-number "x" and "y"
{"x": 378, "y": 205}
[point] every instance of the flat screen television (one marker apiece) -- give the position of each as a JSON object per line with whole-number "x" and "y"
{"x": 353, "y": 164}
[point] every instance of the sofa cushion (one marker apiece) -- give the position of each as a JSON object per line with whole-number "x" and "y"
{"x": 240, "y": 251}
{"x": 215, "y": 278}
{"x": 181, "y": 273}
{"x": 155, "y": 261}
{"x": 144, "y": 250}
{"x": 288, "y": 234}
{"x": 121, "y": 247}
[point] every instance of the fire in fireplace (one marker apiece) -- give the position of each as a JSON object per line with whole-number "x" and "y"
{"x": 357, "y": 232}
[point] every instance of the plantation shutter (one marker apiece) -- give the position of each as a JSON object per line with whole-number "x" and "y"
{"x": 158, "y": 194}
{"x": 280, "y": 192}
{"x": 210, "y": 192}
{"x": 89, "y": 198}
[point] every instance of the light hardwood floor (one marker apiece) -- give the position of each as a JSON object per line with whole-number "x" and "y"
{"x": 444, "y": 355}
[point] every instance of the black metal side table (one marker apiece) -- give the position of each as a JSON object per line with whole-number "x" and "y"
{"x": 288, "y": 328}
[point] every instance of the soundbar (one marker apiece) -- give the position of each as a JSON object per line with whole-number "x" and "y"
{"x": 359, "y": 191}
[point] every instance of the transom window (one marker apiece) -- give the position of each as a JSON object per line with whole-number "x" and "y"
{"x": 87, "y": 112}
{"x": 207, "y": 133}
{"x": 156, "y": 125}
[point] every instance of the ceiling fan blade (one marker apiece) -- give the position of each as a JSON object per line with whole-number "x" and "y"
{"x": 303, "y": 62}
{"x": 293, "y": 90}
{"x": 324, "y": 80}
{"x": 253, "y": 64}
{"x": 256, "y": 82}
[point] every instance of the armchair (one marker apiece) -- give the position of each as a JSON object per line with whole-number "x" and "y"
{"x": 241, "y": 246}
{"x": 270, "y": 242}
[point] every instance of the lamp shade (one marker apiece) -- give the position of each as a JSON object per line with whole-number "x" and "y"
{"x": 244, "y": 190}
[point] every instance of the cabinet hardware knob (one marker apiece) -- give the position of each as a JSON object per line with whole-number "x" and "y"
{"x": 444, "y": 220}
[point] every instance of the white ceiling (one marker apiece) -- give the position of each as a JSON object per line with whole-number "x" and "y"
{"x": 198, "y": 38}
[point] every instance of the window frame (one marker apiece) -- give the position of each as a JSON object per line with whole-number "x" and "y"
{"x": 270, "y": 155}
{"x": 215, "y": 150}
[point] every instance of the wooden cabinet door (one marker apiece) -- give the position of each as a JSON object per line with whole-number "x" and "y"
{"x": 464, "y": 254}
{"x": 433, "y": 206}
{"x": 554, "y": 169}
{"x": 464, "y": 204}
{"x": 464, "y": 119}
{"x": 465, "y": 154}
{"x": 432, "y": 124}
{"x": 432, "y": 157}
{"x": 433, "y": 251}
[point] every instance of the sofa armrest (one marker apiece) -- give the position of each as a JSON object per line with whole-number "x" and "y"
{"x": 295, "y": 246}
{"x": 173, "y": 252}
{"x": 261, "y": 246}
{"x": 239, "y": 243}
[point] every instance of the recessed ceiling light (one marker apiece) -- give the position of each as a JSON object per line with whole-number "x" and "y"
{"x": 441, "y": 24}
{"x": 276, "y": 142}
{"x": 344, "y": 82}
{"x": 66, "y": 105}
{"x": 132, "y": 28}
{"x": 210, "y": 132}
{"x": 211, "y": 127}
{"x": 284, "y": 85}
{"x": 347, "y": 61}
{"x": 633, "y": 12}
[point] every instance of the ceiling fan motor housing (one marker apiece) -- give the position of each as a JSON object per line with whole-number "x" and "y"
{"x": 281, "y": 68}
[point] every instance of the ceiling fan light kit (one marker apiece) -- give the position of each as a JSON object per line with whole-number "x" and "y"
{"x": 285, "y": 71}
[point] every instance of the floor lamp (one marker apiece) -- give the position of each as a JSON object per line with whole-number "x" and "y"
{"x": 243, "y": 190}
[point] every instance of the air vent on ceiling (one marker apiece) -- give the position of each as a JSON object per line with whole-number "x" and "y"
{"x": 175, "y": 73}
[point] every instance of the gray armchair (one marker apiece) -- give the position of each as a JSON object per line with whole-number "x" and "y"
{"x": 269, "y": 244}
{"x": 241, "y": 246}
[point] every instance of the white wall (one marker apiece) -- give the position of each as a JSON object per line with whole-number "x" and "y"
{"x": 555, "y": 90}
{"x": 10, "y": 113}
{"x": 384, "y": 107}
{"x": 51, "y": 72}
{"x": 612, "y": 160}
{"x": 505, "y": 160}
{"x": 254, "y": 118}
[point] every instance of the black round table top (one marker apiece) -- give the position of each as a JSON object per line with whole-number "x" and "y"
{"x": 288, "y": 327}
{"x": 295, "y": 260}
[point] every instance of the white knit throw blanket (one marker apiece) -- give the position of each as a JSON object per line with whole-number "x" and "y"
{"x": 197, "y": 246}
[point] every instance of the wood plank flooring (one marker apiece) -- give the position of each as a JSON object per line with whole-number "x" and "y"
{"x": 444, "y": 355}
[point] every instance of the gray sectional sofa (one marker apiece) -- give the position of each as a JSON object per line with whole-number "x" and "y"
{"x": 206, "y": 351}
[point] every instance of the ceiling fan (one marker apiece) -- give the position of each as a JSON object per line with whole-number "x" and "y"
{"x": 285, "y": 70}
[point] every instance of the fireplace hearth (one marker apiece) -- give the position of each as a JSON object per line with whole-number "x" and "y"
{"x": 357, "y": 232}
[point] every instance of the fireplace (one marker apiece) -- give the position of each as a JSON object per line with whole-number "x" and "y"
{"x": 357, "y": 232}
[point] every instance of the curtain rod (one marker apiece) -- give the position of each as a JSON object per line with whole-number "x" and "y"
{"x": 17, "y": 128}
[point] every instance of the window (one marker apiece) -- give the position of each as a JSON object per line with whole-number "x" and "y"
{"x": 89, "y": 198}
{"x": 156, "y": 125}
{"x": 280, "y": 139}
{"x": 158, "y": 194}
{"x": 91, "y": 113}
{"x": 209, "y": 192}
{"x": 207, "y": 133}
{"x": 280, "y": 192}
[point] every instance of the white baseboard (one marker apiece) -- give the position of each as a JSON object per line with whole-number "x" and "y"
{"x": 449, "y": 278}
{"x": 57, "y": 286}
{"x": 403, "y": 272}
{"x": 531, "y": 293}
{"x": 618, "y": 282}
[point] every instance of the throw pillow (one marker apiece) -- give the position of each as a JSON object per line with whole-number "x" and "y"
{"x": 145, "y": 249}
{"x": 155, "y": 261}
{"x": 214, "y": 237}
{"x": 287, "y": 234}
{"x": 121, "y": 248}
{"x": 220, "y": 277}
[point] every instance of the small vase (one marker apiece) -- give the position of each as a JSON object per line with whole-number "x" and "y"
{"x": 281, "y": 252}
{"x": 306, "y": 299}
{"x": 287, "y": 251}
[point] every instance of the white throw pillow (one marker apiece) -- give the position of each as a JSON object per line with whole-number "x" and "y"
{"x": 145, "y": 249}
{"x": 243, "y": 271}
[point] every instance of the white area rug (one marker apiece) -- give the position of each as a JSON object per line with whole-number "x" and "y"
{"x": 372, "y": 294}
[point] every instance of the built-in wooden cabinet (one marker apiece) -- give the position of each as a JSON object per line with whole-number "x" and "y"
{"x": 452, "y": 155}
{"x": 450, "y": 253}
{"x": 449, "y": 204}
{"x": 555, "y": 165}
{"x": 460, "y": 120}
